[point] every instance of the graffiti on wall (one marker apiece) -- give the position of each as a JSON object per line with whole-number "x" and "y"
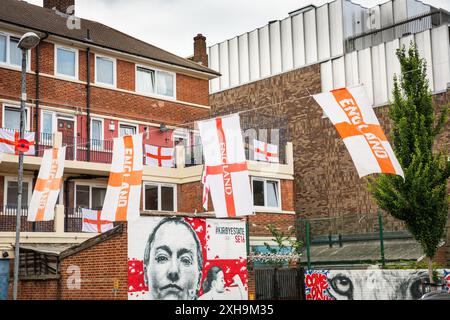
{"x": 369, "y": 284}
{"x": 187, "y": 259}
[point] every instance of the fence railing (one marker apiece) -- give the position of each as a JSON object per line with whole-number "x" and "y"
{"x": 8, "y": 216}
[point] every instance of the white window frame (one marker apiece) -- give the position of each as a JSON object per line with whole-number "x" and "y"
{"x": 61, "y": 75}
{"x": 13, "y": 106}
{"x": 265, "y": 208}
{"x": 128, "y": 125}
{"x": 8, "y": 52}
{"x": 90, "y": 185}
{"x": 159, "y": 185}
{"x": 102, "y": 132}
{"x": 155, "y": 94}
{"x": 12, "y": 178}
{"x": 114, "y": 61}
{"x": 181, "y": 133}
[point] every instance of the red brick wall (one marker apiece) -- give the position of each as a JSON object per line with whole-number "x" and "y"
{"x": 192, "y": 90}
{"x": 82, "y": 66}
{"x": 258, "y": 223}
{"x": 126, "y": 75}
{"x": 287, "y": 194}
{"x": 35, "y": 290}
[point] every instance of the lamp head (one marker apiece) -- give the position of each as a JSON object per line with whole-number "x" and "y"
{"x": 28, "y": 41}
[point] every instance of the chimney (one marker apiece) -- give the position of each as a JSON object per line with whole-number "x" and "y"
{"x": 200, "y": 55}
{"x": 64, "y": 6}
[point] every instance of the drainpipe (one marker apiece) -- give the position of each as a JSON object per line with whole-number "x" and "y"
{"x": 36, "y": 116}
{"x": 88, "y": 104}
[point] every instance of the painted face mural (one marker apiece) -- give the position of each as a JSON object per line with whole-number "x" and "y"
{"x": 178, "y": 258}
{"x": 447, "y": 280}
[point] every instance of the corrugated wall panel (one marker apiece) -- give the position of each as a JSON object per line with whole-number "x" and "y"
{"x": 213, "y": 57}
{"x": 224, "y": 65}
{"x": 392, "y": 64}
{"x": 234, "y": 61}
{"x": 406, "y": 41}
{"x": 310, "y": 36}
{"x": 441, "y": 55}
{"x": 365, "y": 71}
{"x": 423, "y": 41}
{"x": 379, "y": 75}
{"x": 298, "y": 37}
{"x": 244, "y": 67}
{"x": 286, "y": 44}
{"x": 264, "y": 51}
{"x": 323, "y": 32}
{"x": 254, "y": 55}
{"x": 275, "y": 47}
{"x": 326, "y": 74}
{"x": 336, "y": 28}
{"x": 400, "y": 13}
{"x": 351, "y": 69}
{"x": 338, "y": 73}
{"x": 387, "y": 19}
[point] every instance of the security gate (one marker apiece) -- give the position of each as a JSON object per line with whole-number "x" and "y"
{"x": 279, "y": 283}
{"x": 4, "y": 279}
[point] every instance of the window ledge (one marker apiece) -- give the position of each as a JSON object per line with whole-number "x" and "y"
{"x": 271, "y": 210}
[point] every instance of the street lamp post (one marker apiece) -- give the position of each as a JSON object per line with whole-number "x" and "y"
{"x": 28, "y": 41}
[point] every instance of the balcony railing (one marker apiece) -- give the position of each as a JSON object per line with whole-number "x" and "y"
{"x": 73, "y": 220}
{"x": 8, "y": 216}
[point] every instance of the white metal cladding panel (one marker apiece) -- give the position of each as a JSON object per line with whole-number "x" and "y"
{"x": 224, "y": 65}
{"x": 365, "y": 71}
{"x": 244, "y": 71}
{"x": 234, "y": 61}
{"x": 275, "y": 47}
{"x": 441, "y": 65}
{"x": 338, "y": 73}
{"x": 406, "y": 41}
{"x": 336, "y": 28}
{"x": 351, "y": 69}
{"x": 298, "y": 37}
{"x": 326, "y": 74}
{"x": 323, "y": 32}
{"x": 214, "y": 64}
{"x": 387, "y": 19}
{"x": 400, "y": 12}
{"x": 286, "y": 44}
{"x": 264, "y": 51}
{"x": 379, "y": 74}
{"x": 392, "y": 64}
{"x": 254, "y": 55}
{"x": 423, "y": 41}
{"x": 414, "y": 8}
{"x": 310, "y": 36}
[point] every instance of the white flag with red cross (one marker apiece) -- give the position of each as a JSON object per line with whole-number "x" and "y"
{"x": 226, "y": 174}
{"x": 265, "y": 151}
{"x": 11, "y": 143}
{"x": 122, "y": 199}
{"x": 351, "y": 112}
{"x": 92, "y": 221}
{"x": 48, "y": 183}
{"x": 159, "y": 156}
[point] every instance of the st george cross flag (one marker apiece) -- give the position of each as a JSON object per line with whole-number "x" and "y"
{"x": 48, "y": 183}
{"x": 123, "y": 194}
{"x": 10, "y": 141}
{"x": 226, "y": 175}
{"x": 352, "y": 114}
{"x": 265, "y": 151}
{"x": 92, "y": 221}
{"x": 159, "y": 157}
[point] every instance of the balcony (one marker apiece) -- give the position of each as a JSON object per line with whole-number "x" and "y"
{"x": 8, "y": 218}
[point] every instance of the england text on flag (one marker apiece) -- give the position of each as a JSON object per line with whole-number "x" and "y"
{"x": 352, "y": 114}
{"x": 46, "y": 190}
{"x": 10, "y": 141}
{"x": 92, "y": 221}
{"x": 123, "y": 194}
{"x": 159, "y": 156}
{"x": 226, "y": 175}
{"x": 265, "y": 151}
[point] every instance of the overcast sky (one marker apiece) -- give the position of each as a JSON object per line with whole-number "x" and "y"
{"x": 171, "y": 24}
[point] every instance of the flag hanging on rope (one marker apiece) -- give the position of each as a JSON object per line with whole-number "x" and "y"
{"x": 159, "y": 157}
{"x": 92, "y": 221}
{"x": 225, "y": 175}
{"x": 352, "y": 114}
{"x": 265, "y": 151}
{"x": 122, "y": 199}
{"x": 11, "y": 143}
{"x": 48, "y": 183}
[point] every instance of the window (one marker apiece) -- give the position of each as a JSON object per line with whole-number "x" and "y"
{"x": 66, "y": 62}
{"x": 154, "y": 81}
{"x": 15, "y": 54}
{"x": 12, "y": 118}
{"x": 3, "y": 40}
{"x": 97, "y": 134}
{"x": 127, "y": 130}
{"x": 10, "y": 53}
{"x": 11, "y": 194}
{"x": 47, "y": 122}
{"x": 159, "y": 197}
{"x": 90, "y": 197}
{"x": 266, "y": 193}
{"x": 105, "y": 71}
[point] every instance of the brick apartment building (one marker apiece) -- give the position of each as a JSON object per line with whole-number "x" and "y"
{"x": 87, "y": 85}
{"x": 276, "y": 68}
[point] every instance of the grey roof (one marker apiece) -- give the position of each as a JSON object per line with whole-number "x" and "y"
{"x": 47, "y": 21}
{"x": 47, "y": 248}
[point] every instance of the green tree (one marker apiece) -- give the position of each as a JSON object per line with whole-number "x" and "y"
{"x": 420, "y": 200}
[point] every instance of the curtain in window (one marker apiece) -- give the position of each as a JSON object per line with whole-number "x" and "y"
{"x": 47, "y": 120}
{"x": 12, "y": 118}
{"x": 96, "y": 133}
{"x": 145, "y": 80}
{"x": 127, "y": 130}
{"x": 105, "y": 71}
{"x": 15, "y": 52}
{"x": 165, "y": 83}
{"x": 272, "y": 194}
{"x": 2, "y": 48}
{"x": 66, "y": 62}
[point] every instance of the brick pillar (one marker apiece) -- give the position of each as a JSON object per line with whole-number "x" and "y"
{"x": 61, "y": 5}
{"x": 200, "y": 55}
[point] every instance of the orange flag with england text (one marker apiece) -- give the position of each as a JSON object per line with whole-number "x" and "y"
{"x": 122, "y": 199}
{"x": 352, "y": 114}
{"x": 48, "y": 184}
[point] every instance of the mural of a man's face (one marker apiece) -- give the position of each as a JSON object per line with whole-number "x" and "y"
{"x": 219, "y": 282}
{"x": 173, "y": 270}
